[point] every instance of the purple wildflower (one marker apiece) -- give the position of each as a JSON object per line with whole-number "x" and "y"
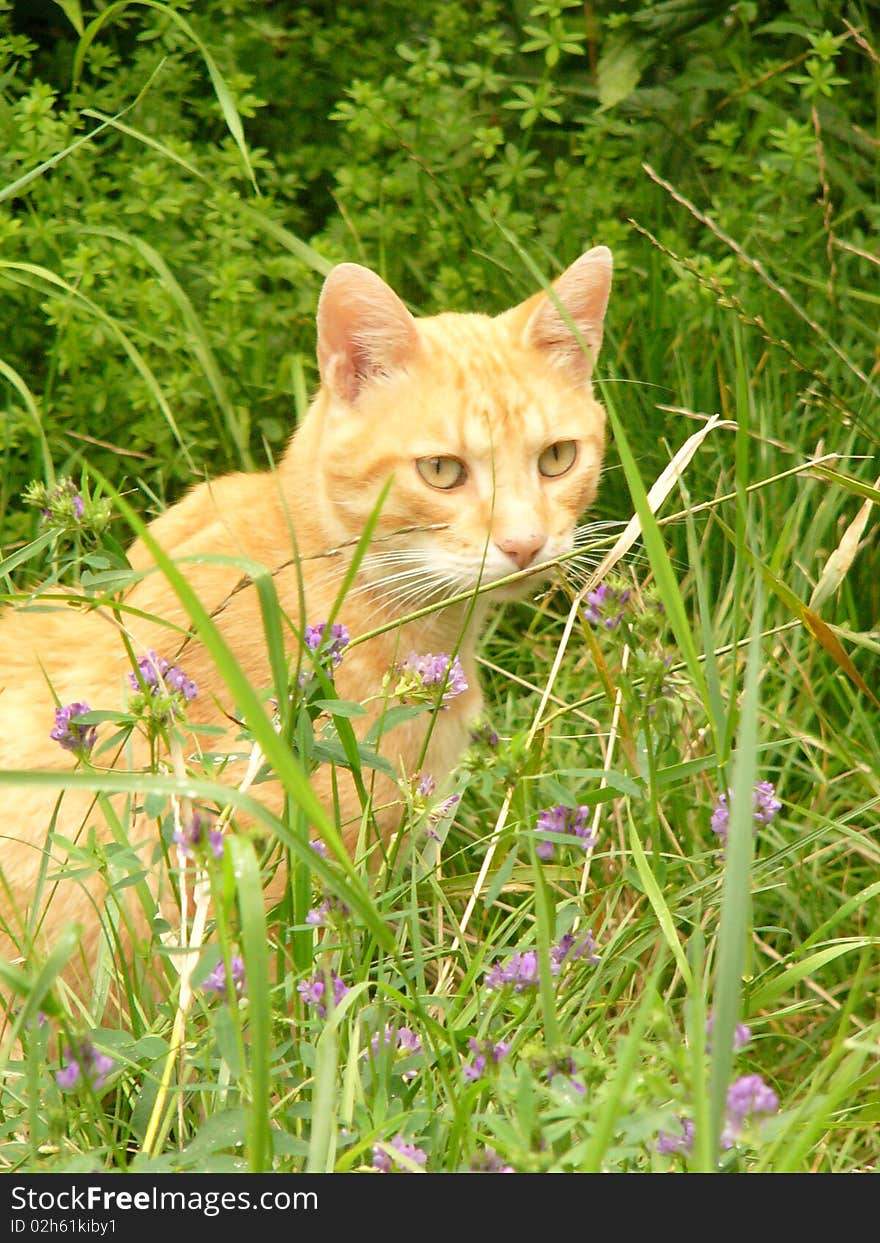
{"x": 668, "y": 1144}
{"x": 314, "y": 992}
{"x": 197, "y": 836}
{"x": 484, "y": 735}
{"x": 488, "y": 1162}
{"x": 565, "y": 821}
{"x": 442, "y": 810}
{"x": 741, "y": 1034}
{"x": 572, "y": 947}
{"x": 84, "y": 1064}
{"x": 566, "y": 1068}
{"x": 387, "y": 1156}
{"x": 426, "y": 786}
{"x": 339, "y": 640}
{"x": 765, "y": 807}
{"x": 319, "y": 847}
{"x": 402, "y": 1038}
{"x": 319, "y": 915}
{"x": 520, "y": 971}
{"x": 61, "y": 504}
{"x": 152, "y": 669}
{"x": 78, "y": 738}
{"x": 438, "y": 670}
{"x": 408, "y": 1041}
{"x": 746, "y": 1097}
{"x": 606, "y": 606}
{"x": 216, "y": 981}
{"x": 486, "y": 1053}
{"x": 177, "y": 680}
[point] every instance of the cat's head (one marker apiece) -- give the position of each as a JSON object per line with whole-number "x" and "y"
{"x": 486, "y": 428}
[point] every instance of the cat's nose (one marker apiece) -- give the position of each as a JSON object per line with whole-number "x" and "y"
{"x": 522, "y": 549}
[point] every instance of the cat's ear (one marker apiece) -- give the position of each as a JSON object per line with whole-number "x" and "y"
{"x": 583, "y": 290}
{"x": 364, "y": 331}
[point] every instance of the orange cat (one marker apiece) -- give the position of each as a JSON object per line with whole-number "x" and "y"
{"x": 493, "y": 443}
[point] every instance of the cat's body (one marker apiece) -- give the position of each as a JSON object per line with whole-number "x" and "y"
{"x": 400, "y": 398}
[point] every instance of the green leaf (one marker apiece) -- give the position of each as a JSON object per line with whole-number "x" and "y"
{"x": 783, "y": 981}
{"x": 340, "y": 707}
{"x": 654, "y": 894}
{"x": 618, "y": 71}
{"x": 72, "y": 10}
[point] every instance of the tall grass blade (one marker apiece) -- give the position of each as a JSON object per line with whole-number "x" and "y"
{"x": 254, "y": 947}
{"x": 733, "y": 930}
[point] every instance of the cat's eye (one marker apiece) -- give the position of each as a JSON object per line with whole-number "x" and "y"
{"x": 442, "y": 472}
{"x": 557, "y": 458}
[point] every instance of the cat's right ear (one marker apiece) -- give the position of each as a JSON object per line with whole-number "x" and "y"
{"x": 364, "y": 331}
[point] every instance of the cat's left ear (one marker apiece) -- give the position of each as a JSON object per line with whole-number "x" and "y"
{"x": 583, "y": 291}
{"x": 364, "y": 331}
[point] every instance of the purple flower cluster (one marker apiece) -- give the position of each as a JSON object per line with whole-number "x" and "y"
{"x": 765, "y": 807}
{"x": 426, "y": 785}
{"x": 748, "y": 1098}
{"x": 438, "y": 670}
{"x": 486, "y": 1053}
{"x": 484, "y": 736}
{"x": 392, "y": 1157}
{"x": 84, "y": 1065}
{"x": 444, "y": 808}
{"x": 668, "y": 1144}
{"x": 564, "y": 821}
{"x": 571, "y": 948}
{"x": 520, "y": 972}
{"x": 566, "y": 1068}
{"x": 314, "y": 992}
{"x": 153, "y": 670}
{"x": 320, "y": 915}
{"x": 198, "y": 838}
{"x": 63, "y": 500}
{"x": 403, "y": 1039}
{"x": 424, "y": 788}
{"x": 216, "y": 981}
{"x": 80, "y": 739}
{"x": 339, "y": 640}
{"x": 606, "y": 606}
{"x": 488, "y": 1162}
{"x": 319, "y": 847}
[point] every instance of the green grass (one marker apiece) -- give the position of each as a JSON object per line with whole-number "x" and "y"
{"x": 772, "y": 650}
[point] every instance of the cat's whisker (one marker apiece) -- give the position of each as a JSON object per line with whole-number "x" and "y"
{"x": 392, "y": 587}
{"x": 601, "y": 524}
{"x": 433, "y": 587}
{"x": 334, "y": 572}
{"x": 379, "y": 585}
{"x": 388, "y": 554}
{"x": 426, "y": 586}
